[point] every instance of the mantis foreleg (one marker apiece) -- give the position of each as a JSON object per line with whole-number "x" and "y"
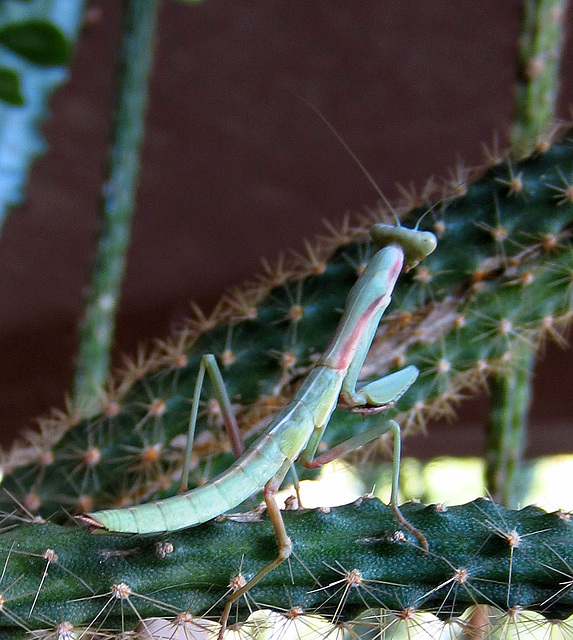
{"x": 371, "y": 397}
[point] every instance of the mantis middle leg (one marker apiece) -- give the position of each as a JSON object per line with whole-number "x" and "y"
{"x": 209, "y": 364}
{"x": 374, "y": 397}
{"x": 364, "y": 438}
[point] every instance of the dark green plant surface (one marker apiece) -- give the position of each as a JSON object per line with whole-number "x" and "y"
{"x": 502, "y": 276}
{"x": 480, "y": 553}
{"x": 36, "y": 43}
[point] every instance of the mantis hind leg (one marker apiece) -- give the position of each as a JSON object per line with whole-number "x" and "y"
{"x": 283, "y": 540}
{"x": 209, "y": 364}
{"x": 296, "y": 485}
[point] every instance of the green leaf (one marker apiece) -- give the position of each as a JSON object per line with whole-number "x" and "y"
{"x": 10, "y": 87}
{"x": 39, "y": 41}
{"x": 22, "y": 140}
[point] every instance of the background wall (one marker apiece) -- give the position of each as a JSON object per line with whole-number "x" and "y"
{"x": 237, "y": 167}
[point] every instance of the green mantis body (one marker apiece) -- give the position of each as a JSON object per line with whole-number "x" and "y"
{"x": 297, "y": 430}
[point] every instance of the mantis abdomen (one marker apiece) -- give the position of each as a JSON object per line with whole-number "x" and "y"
{"x": 285, "y": 438}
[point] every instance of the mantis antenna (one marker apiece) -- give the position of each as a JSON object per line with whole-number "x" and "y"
{"x": 417, "y": 226}
{"x": 365, "y": 171}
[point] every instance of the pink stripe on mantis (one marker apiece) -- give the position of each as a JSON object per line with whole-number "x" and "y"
{"x": 349, "y": 349}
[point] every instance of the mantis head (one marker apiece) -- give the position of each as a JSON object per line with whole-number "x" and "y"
{"x": 415, "y": 244}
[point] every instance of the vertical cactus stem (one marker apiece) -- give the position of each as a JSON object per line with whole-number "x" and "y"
{"x": 97, "y": 327}
{"x": 505, "y": 440}
{"x": 534, "y": 115}
{"x": 538, "y": 81}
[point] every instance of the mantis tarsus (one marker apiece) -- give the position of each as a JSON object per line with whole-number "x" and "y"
{"x": 295, "y": 433}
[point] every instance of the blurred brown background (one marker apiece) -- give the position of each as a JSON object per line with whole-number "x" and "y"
{"x": 236, "y": 167}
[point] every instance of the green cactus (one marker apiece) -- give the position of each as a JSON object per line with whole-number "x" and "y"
{"x": 97, "y": 327}
{"x": 480, "y": 553}
{"x": 501, "y": 275}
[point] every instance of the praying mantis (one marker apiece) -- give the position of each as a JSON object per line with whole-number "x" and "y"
{"x": 295, "y": 433}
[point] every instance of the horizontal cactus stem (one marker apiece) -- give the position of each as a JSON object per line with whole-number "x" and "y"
{"x": 479, "y": 553}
